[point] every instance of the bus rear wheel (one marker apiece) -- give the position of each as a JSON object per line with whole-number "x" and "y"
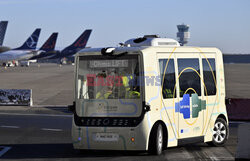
{"x": 220, "y": 133}
{"x": 156, "y": 140}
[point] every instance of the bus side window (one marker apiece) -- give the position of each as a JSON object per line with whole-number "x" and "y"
{"x": 167, "y": 74}
{"x": 209, "y": 74}
{"x": 189, "y": 80}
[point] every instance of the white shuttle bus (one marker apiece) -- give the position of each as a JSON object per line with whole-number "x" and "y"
{"x": 149, "y": 94}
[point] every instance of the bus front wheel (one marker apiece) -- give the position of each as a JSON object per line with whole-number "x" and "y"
{"x": 156, "y": 140}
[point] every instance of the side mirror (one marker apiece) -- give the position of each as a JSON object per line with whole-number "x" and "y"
{"x": 72, "y": 108}
{"x": 228, "y": 101}
{"x": 107, "y": 51}
{"x": 146, "y": 106}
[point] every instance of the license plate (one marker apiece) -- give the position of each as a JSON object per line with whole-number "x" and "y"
{"x": 105, "y": 137}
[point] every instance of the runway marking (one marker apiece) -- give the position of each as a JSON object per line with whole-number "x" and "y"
{"x": 196, "y": 152}
{"x": 51, "y": 106}
{"x": 237, "y": 122}
{"x": 26, "y": 114}
{"x": 215, "y": 153}
{"x": 13, "y": 127}
{"x": 222, "y": 158}
{"x": 180, "y": 154}
{"x": 5, "y": 149}
{"x": 185, "y": 153}
{"x": 45, "y": 129}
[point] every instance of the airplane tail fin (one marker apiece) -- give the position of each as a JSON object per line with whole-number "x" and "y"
{"x": 3, "y": 27}
{"x": 50, "y": 44}
{"x": 81, "y": 41}
{"x": 31, "y": 42}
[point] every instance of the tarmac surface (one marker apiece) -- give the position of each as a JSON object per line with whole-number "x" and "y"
{"x": 43, "y": 132}
{"x": 237, "y": 78}
{"x": 51, "y": 84}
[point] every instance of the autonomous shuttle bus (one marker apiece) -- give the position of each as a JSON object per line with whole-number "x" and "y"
{"x": 149, "y": 94}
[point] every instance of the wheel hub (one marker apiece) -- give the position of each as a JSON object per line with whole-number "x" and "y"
{"x": 219, "y": 132}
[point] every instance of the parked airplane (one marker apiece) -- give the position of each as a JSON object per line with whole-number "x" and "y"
{"x": 72, "y": 49}
{"x": 25, "y": 51}
{"x": 47, "y": 48}
{"x": 3, "y": 27}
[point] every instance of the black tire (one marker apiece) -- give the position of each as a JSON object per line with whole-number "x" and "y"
{"x": 156, "y": 140}
{"x": 220, "y": 133}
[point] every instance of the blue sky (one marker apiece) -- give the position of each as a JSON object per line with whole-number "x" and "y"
{"x": 219, "y": 23}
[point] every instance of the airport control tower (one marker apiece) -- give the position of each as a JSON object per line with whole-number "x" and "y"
{"x": 183, "y": 35}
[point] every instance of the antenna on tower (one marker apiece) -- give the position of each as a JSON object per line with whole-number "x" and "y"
{"x": 183, "y": 35}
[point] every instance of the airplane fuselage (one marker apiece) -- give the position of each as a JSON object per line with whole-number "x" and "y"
{"x": 64, "y": 53}
{"x": 16, "y": 55}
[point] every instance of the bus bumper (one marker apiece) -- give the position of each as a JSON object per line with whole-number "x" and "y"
{"x": 110, "y": 138}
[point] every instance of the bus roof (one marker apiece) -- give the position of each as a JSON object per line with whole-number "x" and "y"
{"x": 118, "y": 50}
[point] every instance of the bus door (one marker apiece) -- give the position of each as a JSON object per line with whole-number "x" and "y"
{"x": 190, "y": 104}
{"x": 167, "y": 68}
{"x": 211, "y": 89}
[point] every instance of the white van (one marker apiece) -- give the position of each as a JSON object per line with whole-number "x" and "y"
{"x": 149, "y": 94}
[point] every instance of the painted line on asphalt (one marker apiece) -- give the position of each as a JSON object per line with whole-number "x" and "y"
{"x": 46, "y": 129}
{"x": 50, "y": 106}
{"x": 237, "y": 122}
{"x": 185, "y": 154}
{"x": 180, "y": 154}
{"x": 222, "y": 158}
{"x": 13, "y": 127}
{"x": 217, "y": 153}
{"x": 5, "y": 149}
{"x": 26, "y": 114}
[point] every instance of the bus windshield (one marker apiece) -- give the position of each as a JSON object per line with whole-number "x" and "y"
{"x": 102, "y": 77}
